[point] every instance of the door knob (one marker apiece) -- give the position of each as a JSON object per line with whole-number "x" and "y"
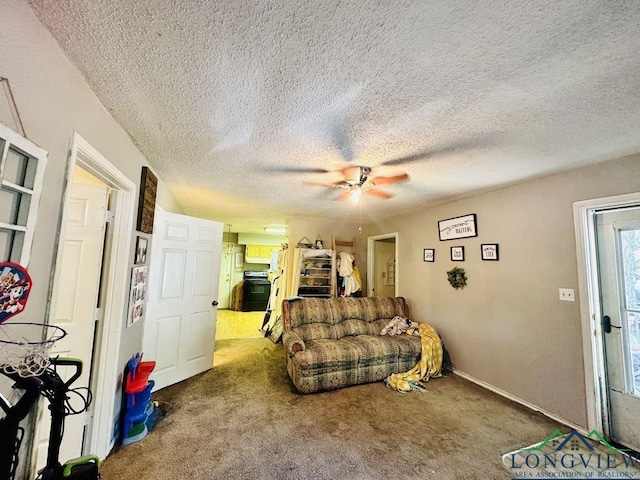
{"x": 606, "y": 324}
{"x": 214, "y": 303}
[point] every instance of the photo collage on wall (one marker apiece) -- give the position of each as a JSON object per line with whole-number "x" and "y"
{"x": 137, "y": 297}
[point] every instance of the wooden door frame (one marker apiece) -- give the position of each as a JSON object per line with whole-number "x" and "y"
{"x": 106, "y": 371}
{"x": 590, "y": 306}
{"x": 371, "y": 260}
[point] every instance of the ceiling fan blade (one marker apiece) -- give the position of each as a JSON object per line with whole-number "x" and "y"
{"x": 441, "y": 150}
{"x": 318, "y": 184}
{"x": 387, "y": 180}
{"x": 351, "y": 174}
{"x": 379, "y": 193}
{"x": 346, "y": 195}
{"x": 297, "y": 170}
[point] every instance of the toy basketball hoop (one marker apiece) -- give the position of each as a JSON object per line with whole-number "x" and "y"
{"x": 15, "y": 286}
{"x": 23, "y": 356}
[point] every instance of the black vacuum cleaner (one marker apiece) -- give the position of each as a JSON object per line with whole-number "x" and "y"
{"x": 59, "y": 394}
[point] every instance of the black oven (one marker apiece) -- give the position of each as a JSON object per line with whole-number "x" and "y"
{"x": 255, "y": 291}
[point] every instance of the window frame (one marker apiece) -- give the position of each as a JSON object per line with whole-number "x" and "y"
{"x": 13, "y": 140}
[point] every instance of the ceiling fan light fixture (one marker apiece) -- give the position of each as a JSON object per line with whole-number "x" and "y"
{"x": 356, "y": 193}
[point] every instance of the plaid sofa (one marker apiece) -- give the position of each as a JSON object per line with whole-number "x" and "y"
{"x": 336, "y": 342}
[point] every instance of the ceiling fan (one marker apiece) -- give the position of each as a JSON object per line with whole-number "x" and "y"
{"x": 356, "y": 179}
{"x": 357, "y": 182}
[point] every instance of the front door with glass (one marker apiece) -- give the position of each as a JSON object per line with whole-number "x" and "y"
{"x": 618, "y": 238}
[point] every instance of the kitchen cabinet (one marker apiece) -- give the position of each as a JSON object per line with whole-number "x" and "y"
{"x": 259, "y": 253}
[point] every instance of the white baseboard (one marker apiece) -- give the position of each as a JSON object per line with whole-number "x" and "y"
{"x": 513, "y": 398}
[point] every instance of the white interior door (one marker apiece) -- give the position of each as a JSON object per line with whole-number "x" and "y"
{"x": 618, "y": 236}
{"x": 184, "y": 271}
{"x": 224, "y": 288}
{"x": 77, "y": 302}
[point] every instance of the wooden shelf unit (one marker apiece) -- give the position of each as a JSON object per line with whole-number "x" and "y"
{"x": 315, "y": 270}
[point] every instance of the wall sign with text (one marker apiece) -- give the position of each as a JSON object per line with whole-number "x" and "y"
{"x": 458, "y": 227}
{"x": 429, "y": 254}
{"x": 489, "y": 251}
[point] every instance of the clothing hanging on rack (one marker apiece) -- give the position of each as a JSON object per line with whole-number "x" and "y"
{"x": 348, "y": 282}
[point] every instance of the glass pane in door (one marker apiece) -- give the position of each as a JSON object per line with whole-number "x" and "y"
{"x": 630, "y": 253}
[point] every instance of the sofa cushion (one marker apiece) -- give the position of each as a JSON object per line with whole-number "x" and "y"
{"x": 311, "y": 318}
{"x": 346, "y": 308}
{"x": 386, "y": 307}
{"x": 409, "y": 350}
{"x": 309, "y": 310}
{"x": 324, "y": 355}
{"x": 377, "y": 357}
{"x": 352, "y": 327}
{"x": 372, "y": 348}
{"x": 378, "y": 325}
{"x": 316, "y": 331}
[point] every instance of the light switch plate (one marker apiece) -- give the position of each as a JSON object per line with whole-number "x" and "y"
{"x": 567, "y": 294}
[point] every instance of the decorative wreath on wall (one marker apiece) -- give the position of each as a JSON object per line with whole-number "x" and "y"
{"x": 457, "y": 277}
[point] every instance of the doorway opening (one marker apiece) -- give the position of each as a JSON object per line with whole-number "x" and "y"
{"x": 382, "y": 265}
{"x": 608, "y": 249}
{"x": 112, "y": 280}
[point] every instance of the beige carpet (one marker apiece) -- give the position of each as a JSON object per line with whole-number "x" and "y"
{"x": 244, "y": 420}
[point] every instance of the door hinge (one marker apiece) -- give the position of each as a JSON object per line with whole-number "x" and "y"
{"x": 108, "y": 216}
{"x": 97, "y": 315}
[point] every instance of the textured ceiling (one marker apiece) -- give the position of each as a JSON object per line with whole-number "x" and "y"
{"x": 464, "y": 96}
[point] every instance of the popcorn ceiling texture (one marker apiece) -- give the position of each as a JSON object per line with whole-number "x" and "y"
{"x": 222, "y": 96}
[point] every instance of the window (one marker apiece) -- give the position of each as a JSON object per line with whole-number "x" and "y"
{"x": 22, "y": 165}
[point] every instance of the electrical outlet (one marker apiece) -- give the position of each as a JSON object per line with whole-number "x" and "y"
{"x": 567, "y": 294}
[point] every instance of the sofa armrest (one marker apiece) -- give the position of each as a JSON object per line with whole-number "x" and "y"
{"x": 292, "y": 342}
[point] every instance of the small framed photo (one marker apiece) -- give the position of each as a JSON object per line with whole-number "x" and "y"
{"x": 489, "y": 251}
{"x": 141, "y": 250}
{"x": 429, "y": 255}
{"x": 457, "y": 254}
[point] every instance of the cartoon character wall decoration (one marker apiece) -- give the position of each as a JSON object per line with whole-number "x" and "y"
{"x": 15, "y": 286}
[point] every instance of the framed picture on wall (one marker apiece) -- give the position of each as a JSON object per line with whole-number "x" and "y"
{"x": 238, "y": 261}
{"x": 489, "y": 251}
{"x": 137, "y": 295}
{"x": 457, "y": 254}
{"x": 458, "y": 227}
{"x": 141, "y": 250}
{"x": 429, "y": 255}
{"x": 147, "y": 201}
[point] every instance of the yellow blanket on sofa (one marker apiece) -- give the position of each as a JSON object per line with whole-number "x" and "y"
{"x": 429, "y": 366}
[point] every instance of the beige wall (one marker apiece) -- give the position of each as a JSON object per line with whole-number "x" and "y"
{"x": 53, "y": 100}
{"x": 508, "y": 327}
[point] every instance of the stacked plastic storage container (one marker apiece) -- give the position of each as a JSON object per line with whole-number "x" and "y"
{"x": 139, "y": 410}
